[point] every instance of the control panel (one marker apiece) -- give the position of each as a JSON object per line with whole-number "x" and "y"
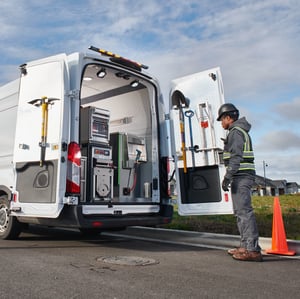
{"x": 94, "y": 137}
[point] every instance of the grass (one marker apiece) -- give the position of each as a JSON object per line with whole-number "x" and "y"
{"x": 263, "y": 207}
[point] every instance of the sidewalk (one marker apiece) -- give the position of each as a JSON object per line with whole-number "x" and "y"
{"x": 199, "y": 239}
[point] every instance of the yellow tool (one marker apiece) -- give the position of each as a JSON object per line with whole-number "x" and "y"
{"x": 180, "y": 101}
{"x": 44, "y": 102}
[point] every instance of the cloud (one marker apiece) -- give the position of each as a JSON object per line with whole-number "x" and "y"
{"x": 256, "y": 44}
{"x": 279, "y": 166}
{"x": 289, "y": 110}
{"x": 279, "y": 141}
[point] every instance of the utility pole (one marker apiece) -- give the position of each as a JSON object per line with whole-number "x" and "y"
{"x": 265, "y": 180}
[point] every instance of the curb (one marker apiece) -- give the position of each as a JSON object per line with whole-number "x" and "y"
{"x": 199, "y": 239}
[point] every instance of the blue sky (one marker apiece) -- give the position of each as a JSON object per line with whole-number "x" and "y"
{"x": 256, "y": 44}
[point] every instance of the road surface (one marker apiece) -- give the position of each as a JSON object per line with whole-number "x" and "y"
{"x": 50, "y": 263}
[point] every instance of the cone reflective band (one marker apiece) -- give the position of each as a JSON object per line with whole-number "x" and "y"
{"x": 73, "y": 168}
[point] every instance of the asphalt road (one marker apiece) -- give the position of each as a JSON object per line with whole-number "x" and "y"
{"x": 48, "y": 263}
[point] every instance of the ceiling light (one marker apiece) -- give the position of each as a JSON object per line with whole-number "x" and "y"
{"x": 87, "y": 78}
{"x": 134, "y": 83}
{"x": 101, "y": 73}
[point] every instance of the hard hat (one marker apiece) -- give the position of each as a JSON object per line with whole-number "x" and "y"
{"x": 227, "y": 108}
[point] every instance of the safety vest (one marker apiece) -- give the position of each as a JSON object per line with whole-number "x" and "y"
{"x": 248, "y": 156}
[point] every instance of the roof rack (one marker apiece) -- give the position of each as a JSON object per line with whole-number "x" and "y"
{"x": 119, "y": 59}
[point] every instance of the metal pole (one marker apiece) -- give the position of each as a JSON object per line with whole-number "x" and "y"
{"x": 189, "y": 114}
{"x": 44, "y": 103}
{"x": 182, "y": 133}
{"x": 265, "y": 180}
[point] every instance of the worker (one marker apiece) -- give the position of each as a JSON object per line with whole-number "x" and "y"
{"x": 239, "y": 177}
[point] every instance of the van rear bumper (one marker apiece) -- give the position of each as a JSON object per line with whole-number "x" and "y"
{"x": 72, "y": 217}
{"x": 106, "y": 222}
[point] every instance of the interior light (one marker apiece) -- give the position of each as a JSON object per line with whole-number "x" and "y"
{"x": 101, "y": 73}
{"x": 134, "y": 83}
{"x": 87, "y": 78}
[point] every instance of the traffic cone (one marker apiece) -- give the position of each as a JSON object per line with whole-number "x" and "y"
{"x": 279, "y": 244}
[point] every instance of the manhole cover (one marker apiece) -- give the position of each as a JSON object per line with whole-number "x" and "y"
{"x": 128, "y": 260}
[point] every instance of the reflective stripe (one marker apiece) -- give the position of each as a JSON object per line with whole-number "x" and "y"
{"x": 226, "y": 155}
{"x": 73, "y": 173}
{"x": 248, "y": 155}
{"x": 247, "y": 166}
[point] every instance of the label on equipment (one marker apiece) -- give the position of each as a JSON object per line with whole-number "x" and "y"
{"x": 102, "y": 153}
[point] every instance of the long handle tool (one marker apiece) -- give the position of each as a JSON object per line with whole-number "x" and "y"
{"x": 44, "y": 103}
{"x": 189, "y": 114}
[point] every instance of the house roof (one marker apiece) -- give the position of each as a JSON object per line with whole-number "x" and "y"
{"x": 292, "y": 184}
{"x": 261, "y": 181}
{"x": 278, "y": 184}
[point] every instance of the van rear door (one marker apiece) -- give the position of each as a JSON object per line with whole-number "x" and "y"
{"x": 197, "y": 143}
{"x": 41, "y": 137}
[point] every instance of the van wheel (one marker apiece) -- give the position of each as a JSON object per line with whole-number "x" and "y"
{"x": 10, "y": 227}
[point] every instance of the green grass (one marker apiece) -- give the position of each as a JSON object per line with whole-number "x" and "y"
{"x": 263, "y": 207}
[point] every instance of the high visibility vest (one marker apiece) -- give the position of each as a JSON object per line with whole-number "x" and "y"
{"x": 248, "y": 156}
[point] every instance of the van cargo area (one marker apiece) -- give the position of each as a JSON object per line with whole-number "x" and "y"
{"x": 118, "y": 137}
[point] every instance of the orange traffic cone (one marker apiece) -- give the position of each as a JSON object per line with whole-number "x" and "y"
{"x": 279, "y": 244}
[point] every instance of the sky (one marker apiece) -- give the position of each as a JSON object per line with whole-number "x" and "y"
{"x": 255, "y": 43}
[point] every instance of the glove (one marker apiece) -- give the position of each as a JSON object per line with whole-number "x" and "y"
{"x": 225, "y": 184}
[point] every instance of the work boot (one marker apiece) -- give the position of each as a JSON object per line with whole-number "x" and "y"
{"x": 236, "y": 250}
{"x": 248, "y": 256}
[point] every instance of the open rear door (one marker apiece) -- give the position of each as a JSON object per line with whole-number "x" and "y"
{"x": 41, "y": 136}
{"x": 197, "y": 143}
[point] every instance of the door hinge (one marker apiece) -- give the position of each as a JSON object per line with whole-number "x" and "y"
{"x": 15, "y": 209}
{"x": 73, "y": 94}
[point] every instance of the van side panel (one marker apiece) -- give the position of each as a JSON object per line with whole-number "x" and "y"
{"x": 8, "y": 115}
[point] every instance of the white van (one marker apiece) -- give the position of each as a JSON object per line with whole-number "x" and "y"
{"x": 85, "y": 144}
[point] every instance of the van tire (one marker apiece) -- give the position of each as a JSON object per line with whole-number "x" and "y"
{"x": 10, "y": 227}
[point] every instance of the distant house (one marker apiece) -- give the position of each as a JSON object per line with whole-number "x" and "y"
{"x": 265, "y": 186}
{"x": 280, "y": 187}
{"x": 292, "y": 188}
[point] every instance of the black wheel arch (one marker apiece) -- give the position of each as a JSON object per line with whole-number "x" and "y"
{"x": 5, "y": 191}
{"x": 10, "y": 227}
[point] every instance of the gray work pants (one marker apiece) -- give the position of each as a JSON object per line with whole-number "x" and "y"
{"x": 246, "y": 221}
